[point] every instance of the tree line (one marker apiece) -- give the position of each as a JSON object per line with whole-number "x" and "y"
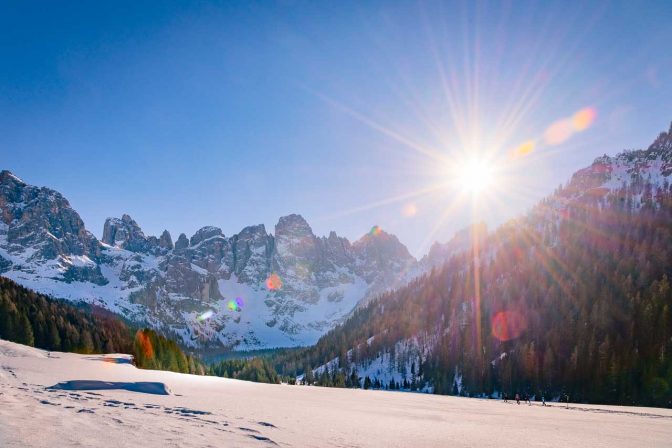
{"x": 36, "y": 320}
{"x": 257, "y": 369}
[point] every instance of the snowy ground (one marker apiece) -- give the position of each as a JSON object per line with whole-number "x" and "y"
{"x": 207, "y": 411}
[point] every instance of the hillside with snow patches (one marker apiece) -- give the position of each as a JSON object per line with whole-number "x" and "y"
{"x": 634, "y": 179}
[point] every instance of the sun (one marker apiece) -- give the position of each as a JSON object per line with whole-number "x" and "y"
{"x": 474, "y": 176}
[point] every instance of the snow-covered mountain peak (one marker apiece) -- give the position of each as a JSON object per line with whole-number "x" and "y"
{"x": 627, "y": 169}
{"x": 182, "y": 242}
{"x": 205, "y": 233}
{"x": 253, "y": 232}
{"x": 663, "y": 143}
{"x": 293, "y": 226}
{"x": 166, "y": 241}
{"x": 378, "y": 240}
{"x": 124, "y": 232}
{"x": 7, "y": 177}
{"x": 286, "y": 289}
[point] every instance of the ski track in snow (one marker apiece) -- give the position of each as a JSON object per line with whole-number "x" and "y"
{"x": 215, "y": 412}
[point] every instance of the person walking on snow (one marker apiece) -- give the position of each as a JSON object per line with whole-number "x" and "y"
{"x": 517, "y": 398}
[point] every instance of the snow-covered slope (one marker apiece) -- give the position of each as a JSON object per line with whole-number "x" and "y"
{"x": 399, "y": 368}
{"x": 210, "y": 411}
{"x": 250, "y": 290}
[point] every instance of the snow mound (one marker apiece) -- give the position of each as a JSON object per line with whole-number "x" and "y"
{"x": 142, "y": 386}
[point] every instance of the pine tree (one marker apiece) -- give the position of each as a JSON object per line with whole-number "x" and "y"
{"x": 308, "y": 375}
{"x": 24, "y": 334}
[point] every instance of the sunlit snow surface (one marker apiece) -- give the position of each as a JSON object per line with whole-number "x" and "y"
{"x": 210, "y": 411}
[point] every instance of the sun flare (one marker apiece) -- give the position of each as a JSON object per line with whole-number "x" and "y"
{"x": 474, "y": 176}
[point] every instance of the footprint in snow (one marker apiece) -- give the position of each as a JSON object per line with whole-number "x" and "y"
{"x": 262, "y": 439}
{"x": 49, "y": 402}
{"x": 188, "y": 412}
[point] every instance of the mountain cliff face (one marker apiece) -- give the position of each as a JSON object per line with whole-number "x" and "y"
{"x": 39, "y": 228}
{"x": 249, "y": 290}
{"x": 574, "y": 297}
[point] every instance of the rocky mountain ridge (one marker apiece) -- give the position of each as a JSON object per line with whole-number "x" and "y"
{"x": 252, "y": 289}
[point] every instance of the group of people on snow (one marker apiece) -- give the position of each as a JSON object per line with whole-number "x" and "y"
{"x": 526, "y": 398}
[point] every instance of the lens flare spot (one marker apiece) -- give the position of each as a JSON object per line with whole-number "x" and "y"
{"x": 232, "y": 306}
{"x": 524, "y": 149}
{"x": 409, "y": 210}
{"x": 274, "y": 282}
{"x": 240, "y": 302}
{"x": 584, "y": 118}
{"x": 558, "y": 132}
{"x": 507, "y": 325}
{"x": 563, "y": 129}
{"x": 375, "y": 231}
{"x": 205, "y": 316}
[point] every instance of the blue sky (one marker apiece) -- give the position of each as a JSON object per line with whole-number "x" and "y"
{"x": 236, "y": 113}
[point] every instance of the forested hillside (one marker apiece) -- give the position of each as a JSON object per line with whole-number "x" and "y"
{"x": 36, "y": 320}
{"x": 257, "y": 369}
{"x": 574, "y": 299}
